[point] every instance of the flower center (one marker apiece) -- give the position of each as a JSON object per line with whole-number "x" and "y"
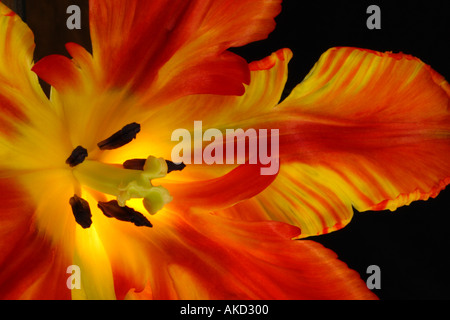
{"x": 131, "y": 180}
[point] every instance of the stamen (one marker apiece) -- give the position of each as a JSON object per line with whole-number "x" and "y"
{"x": 121, "y": 137}
{"x": 77, "y": 156}
{"x": 138, "y": 164}
{"x": 81, "y": 211}
{"x": 112, "y": 209}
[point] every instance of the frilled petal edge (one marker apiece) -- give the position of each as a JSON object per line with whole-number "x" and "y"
{"x": 364, "y": 129}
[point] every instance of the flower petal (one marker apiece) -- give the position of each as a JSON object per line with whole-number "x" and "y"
{"x": 364, "y": 128}
{"x": 240, "y": 184}
{"x": 29, "y": 262}
{"x": 216, "y": 258}
{"x": 97, "y": 281}
{"x": 167, "y": 49}
{"x": 21, "y": 96}
{"x": 301, "y": 195}
{"x": 31, "y": 267}
{"x": 198, "y": 255}
{"x": 268, "y": 78}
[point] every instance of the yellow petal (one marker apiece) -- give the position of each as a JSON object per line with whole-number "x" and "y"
{"x": 21, "y": 97}
{"x": 95, "y": 269}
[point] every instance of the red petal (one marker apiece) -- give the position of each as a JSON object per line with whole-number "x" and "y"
{"x": 175, "y": 48}
{"x": 214, "y": 258}
{"x": 364, "y": 129}
{"x": 30, "y": 267}
{"x": 241, "y": 183}
{"x": 52, "y": 67}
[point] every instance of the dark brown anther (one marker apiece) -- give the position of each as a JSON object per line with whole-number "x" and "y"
{"x": 112, "y": 209}
{"x": 135, "y": 164}
{"x": 77, "y": 156}
{"x": 171, "y": 166}
{"x": 121, "y": 137}
{"x": 138, "y": 164}
{"x": 81, "y": 211}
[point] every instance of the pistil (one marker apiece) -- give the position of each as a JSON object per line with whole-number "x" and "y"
{"x": 126, "y": 184}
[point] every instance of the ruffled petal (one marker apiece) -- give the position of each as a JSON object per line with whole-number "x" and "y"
{"x": 309, "y": 197}
{"x": 268, "y": 78}
{"x": 215, "y": 258}
{"x": 166, "y": 49}
{"x": 364, "y": 129}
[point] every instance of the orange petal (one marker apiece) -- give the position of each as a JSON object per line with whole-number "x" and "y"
{"x": 364, "y": 128}
{"x": 209, "y": 257}
{"x": 167, "y": 49}
{"x": 391, "y": 125}
{"x": 268, "y": 78}
{"x": 301, "y": 195}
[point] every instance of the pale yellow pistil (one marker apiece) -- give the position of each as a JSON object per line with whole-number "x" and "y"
{"x": 126, "y": 184}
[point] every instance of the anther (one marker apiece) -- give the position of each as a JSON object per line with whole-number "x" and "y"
{"x": 121, "y": 137}
{"x": 81, "y": 211}
{"x": 77, "y": 156}
{"x": 135, "y": 164}
{"x": 172, "y": 166}
{"x": 112, "y": 209}
{"x": 138, "y": 164}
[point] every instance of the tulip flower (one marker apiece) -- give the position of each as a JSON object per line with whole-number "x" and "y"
{"x": 86, "y": 177}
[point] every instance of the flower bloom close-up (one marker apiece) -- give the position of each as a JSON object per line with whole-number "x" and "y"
{"x": 88, "y": 177}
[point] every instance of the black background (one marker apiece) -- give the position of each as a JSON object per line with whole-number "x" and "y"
{"x": 411, "y": 245}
